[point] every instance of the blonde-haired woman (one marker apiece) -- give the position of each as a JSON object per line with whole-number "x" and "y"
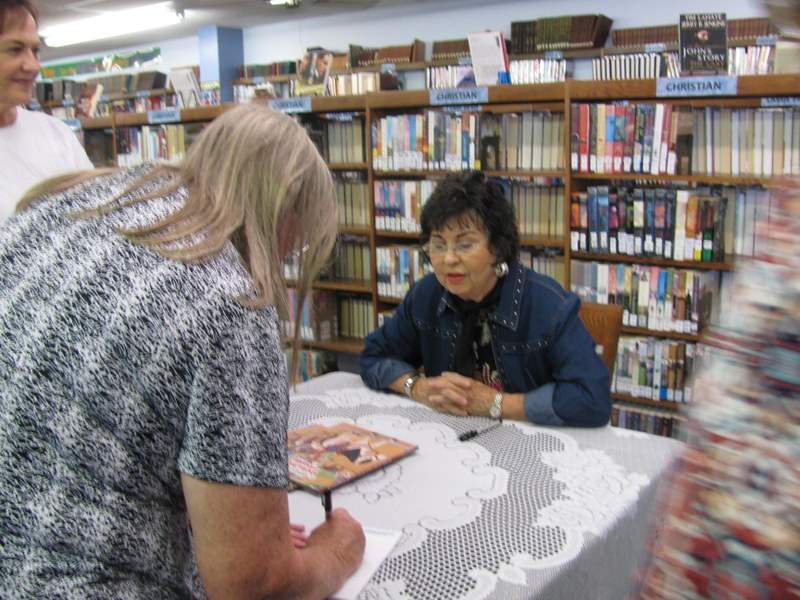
{"x": 143, "y": 389}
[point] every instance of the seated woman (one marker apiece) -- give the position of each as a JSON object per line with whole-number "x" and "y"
{"x": 492, "y": 337}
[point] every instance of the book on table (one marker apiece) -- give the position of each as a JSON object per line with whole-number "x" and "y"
{"x": 325, "y": 457}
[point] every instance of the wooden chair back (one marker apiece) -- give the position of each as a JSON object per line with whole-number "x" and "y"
{"x": 604, "y": 322}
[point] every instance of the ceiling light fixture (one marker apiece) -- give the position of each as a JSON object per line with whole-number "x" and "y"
{"x": 112, "y": 24}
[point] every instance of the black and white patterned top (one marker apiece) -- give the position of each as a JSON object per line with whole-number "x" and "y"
{"x": 119, "y": 370}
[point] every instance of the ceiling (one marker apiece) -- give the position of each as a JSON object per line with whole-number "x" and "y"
{"x": 197, "y": 14}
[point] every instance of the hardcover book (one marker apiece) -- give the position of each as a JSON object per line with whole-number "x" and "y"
{"x": 324, "y": 457}
{"x": 704, "y": 43}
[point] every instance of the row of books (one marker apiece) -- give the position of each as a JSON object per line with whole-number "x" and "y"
{"x": 353, "y": 196}
{"x": 539, "y": 208}
{"x": 546, "y": 261}
{"x": 352, "y": 84}
{"x": 639, "y": 65}
{"x": 445, "y": 77}
{"x": 562, "y": 32}
{"x": 443, "y": 140}
{"x": 351, "y": 259}
{"x": 540, "y": 70}
{"x": 398, "y": 203}
{"x": 655, "y": 298}
{"x": 675, "y": 224}
{"x": 284, "y": 67}
{"x": 328, "y": 315}
{"x": 663, "y": 138}
{"x": 60, "y": 89}
{"x": 656, "y": 369}
{"x": 313, "y": 363}
{"x": 318, "y": 316}
{"x": 136, "y": 145}
{"x": 340, "y": 140}
{"x": 450, "y": 49}
{"x": 738, "y": 29}
{"x": 356, "y": 316}
{"x": 399, "y": 266}
{"x": 360, "y": 56}
{"x": 751, "y": 60}
{"x": 649, "y": 420}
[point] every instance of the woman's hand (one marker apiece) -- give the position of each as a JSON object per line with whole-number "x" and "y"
{"x": 447, "y": 393}
{"x": 456, "y": 394}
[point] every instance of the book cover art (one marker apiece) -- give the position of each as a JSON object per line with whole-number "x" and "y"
{"x": 704, "y": 43}
{"x": 324, "y": 457}
{"x": 313, "y": 72}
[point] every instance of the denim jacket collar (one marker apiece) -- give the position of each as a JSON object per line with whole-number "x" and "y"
{"x": 507, "y": 312}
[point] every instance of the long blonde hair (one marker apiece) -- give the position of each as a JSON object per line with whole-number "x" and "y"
{"x": 251, "y": 172}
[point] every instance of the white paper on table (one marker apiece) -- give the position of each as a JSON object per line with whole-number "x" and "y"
{"x": 379, "y": 543}
{"x": 306, "y": 508}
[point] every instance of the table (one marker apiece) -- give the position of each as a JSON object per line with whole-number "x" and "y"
{"x": 520, "y": 511}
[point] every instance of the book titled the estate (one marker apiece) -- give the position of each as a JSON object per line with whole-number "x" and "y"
{"x": 324, "y": 457}
{"x": 704, "y": 43}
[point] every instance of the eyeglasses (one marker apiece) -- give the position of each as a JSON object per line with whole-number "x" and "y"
{"x": 439, "y": 249}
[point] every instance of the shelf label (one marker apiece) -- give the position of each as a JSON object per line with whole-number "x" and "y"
{"x": 143, "y": 93}
{"x": 554, "y": 55}
{"x": 165, "y": 115}
{"x": 465, "y": 60}
{"x": 767, "y": 40}
{"x": 105, "y": 98}
{"x": 292, "y": 105}
{"x": 258, "y": 79}
{"x": 655, "y": 48}
{"x": 67, "y": 101}
{"x": 74, "y": 124}
{"x": 34, "y": 106}
{"x": 715, "y": 85}
{"x": 475, "y": 95}
{"x": 777, "y": 101}
{"x": 388, "y": 68}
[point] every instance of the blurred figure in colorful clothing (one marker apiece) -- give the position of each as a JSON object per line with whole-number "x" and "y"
{"x": 731, "y": 519}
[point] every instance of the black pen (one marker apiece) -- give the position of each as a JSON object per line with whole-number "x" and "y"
{"x": 326, "y": 502}
{"x": 472, "y": 433}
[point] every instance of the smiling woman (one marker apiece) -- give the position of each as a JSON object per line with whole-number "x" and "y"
{"x": 492, "y": 337}
{"x": 33, "y": 146}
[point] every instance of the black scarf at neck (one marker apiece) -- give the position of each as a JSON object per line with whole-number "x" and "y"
{"x": 467, "y": 311}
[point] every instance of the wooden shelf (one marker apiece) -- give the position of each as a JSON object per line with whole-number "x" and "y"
{"x": 660, "y": 262}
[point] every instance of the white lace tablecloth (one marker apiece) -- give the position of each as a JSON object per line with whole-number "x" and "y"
{"x": 517, "y": 512}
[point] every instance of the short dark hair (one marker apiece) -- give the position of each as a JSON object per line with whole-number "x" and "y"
{"x": 7, "y": 6}
{"x": 469, "y": 196}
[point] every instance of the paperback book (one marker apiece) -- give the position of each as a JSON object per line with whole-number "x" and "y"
{"x": 324, "y": 457}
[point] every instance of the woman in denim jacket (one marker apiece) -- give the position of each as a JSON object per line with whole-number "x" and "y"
{"x": 491, "y": 337}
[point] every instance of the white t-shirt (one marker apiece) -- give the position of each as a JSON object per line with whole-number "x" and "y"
{"x": 36, "y": 146}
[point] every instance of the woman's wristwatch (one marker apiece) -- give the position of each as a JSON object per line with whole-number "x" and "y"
{"x": 496, "y": 409}
{"x": 409, "y": 383}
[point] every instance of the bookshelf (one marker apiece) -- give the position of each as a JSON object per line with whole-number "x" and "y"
{"x": 420, "y": 139}
{"x": 504, "y": 104}
{"x": 337, "y": 125}
{"x": 655, "y": 350}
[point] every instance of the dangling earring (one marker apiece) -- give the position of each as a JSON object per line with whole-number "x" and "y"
{"x": 501, "y": 269}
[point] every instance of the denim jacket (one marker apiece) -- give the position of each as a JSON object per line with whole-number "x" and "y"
{"x": 541, "y": 347}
